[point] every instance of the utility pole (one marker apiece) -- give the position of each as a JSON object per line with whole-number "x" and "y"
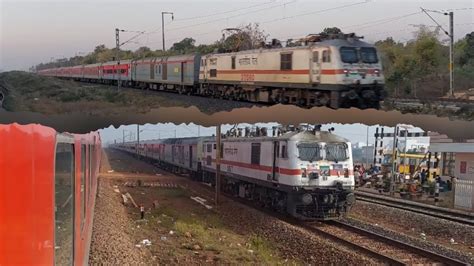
{"x": 367, "y": 149}
{"x": 394, "y": 162}
{"x": 117, "y": 47}
{"x": 451, "y": 54}
{"x": 218, "y": 163}
{"x": 138, "y": 139}
{"x": 451, "y": 44}
{"x": 123, "y": 136}
{"x": 163, "y": 26}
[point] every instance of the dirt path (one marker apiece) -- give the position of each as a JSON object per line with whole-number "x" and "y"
{"x": 112, "y": 237}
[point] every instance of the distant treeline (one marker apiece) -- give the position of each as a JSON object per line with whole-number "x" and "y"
{"x": 418, "y": 67}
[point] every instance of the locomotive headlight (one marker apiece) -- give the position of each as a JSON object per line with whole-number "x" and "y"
{"x": 377, "y": 72}
{"x": 346, "y": 72}
{"x": 307, "y": 199}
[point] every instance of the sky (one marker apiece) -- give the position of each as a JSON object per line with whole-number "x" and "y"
{"x": 356, "y": 133}
{"x": 38, "y": 31}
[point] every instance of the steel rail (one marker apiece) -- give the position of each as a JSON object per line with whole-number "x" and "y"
{"x": 412, "y": 248}
{"x": 416, "y": 207}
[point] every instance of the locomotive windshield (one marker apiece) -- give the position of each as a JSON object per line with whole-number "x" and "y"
{"x": 368, "y": 55}
{"x": 336, "y": 152}
{"x": 349, "y": 55}
{"x": 352, "y": 55}
{"x": 309, "y": 151}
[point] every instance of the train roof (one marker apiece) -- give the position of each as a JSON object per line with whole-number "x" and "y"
{"x": 310, "y": 136}
{"x": 334, "y": 42}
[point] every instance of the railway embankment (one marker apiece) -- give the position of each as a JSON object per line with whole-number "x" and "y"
{"x": 181, "y": 224}
{"x": 25, "y": 91}
{"x": 29, "y": 92}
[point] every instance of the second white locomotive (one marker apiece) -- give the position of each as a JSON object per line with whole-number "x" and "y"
{"x": 305, "y": 173}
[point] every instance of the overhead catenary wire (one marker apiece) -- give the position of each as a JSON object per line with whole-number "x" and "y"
{"x": 226, "y": 18}
{"x": 224, "y": 12}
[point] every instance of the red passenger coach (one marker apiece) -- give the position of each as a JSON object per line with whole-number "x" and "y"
{"x": 48, "y": 183}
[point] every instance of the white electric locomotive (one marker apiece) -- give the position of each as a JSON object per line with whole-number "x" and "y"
{"x": 305, "y": 173}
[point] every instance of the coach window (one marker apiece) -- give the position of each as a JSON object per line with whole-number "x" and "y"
{"x": 315, "y": 56}
{"x": 83, "y": 184}
{"x": 326, "y": 56}
{"x": 233, "y": 62}
{"x": 286, "y": 61}
{"x": 64, "y": 204}
{"x": 222, "y": 151}
{"x": 209, "y": 147}
{"x": 255, "y": 154}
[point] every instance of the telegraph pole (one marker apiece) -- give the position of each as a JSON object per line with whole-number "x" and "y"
{"x": 117, "y": 47}
{"x": 218, "y": 163}
{"x": 367, "y": 149}
{"x": 451, "y": 44}
{"x": 394, "y": 162}
{"x": 451, "y": 54}
{"x": 138, "y": 139}
{"x": 163, "y": 26}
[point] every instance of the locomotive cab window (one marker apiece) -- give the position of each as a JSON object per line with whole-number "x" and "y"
{"x": 368, "y": 55}
{"x": 255, "y": 153}
{"x": 349, "y": 55}
{"x": 286, "y": 61}
{"x": 336, "y": 152}
{"x": 64, "y": 204}
{"x": 309, "y": 152}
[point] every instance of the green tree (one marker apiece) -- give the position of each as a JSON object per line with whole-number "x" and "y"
{"x": 184, "y": 46}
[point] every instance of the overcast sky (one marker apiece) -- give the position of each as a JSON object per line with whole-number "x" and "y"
{"x": 37, "y": 31}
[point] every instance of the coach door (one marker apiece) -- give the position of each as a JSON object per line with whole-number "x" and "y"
{"x": 152, "y": 69}
{"x": 275, "y": 169}
{"x": 316, "y": 65}
{"x": 190, "y": 156}
{"x": 164, "y": 73}
{"x": 64, "y": 200}
{"x": 183, "y": 66}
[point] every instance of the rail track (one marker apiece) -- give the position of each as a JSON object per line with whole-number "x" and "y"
{"x": 387, "y": 250}
{"x": 379, "y": 247}
{"x": 446, "y": 102}
{"x": 434, "y": 211}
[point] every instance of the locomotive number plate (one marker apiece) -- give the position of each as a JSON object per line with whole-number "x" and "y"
{"x": 247, "y": 77}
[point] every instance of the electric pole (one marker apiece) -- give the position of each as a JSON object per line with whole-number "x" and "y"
{"x": 117, "y": 47}
{"x": 394, "y": 162}
{"x": 138, "y": 139}
{"x": 163, "y": 26}
{"x": 451, "y": 54}
{"x": 451, "y": 43}
{"x": 218, "y": 163}
{"x": 123, "y": 136}
{"x": 367, "y": 149}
